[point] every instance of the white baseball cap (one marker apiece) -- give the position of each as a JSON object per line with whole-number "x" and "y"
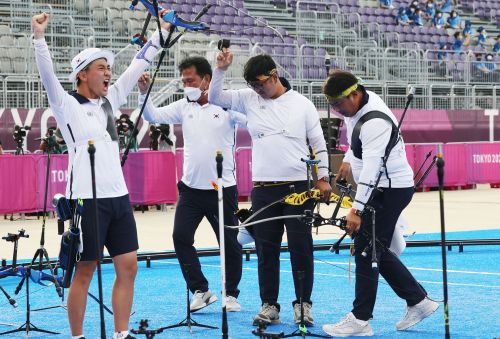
{"x": 85, "y": 57}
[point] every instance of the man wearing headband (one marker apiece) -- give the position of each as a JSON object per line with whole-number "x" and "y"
{"x": 206, "y": 129}
{"x": 281, "y": 122}
{"x": 371, "y": 128}
{"x": 89, "y": 113}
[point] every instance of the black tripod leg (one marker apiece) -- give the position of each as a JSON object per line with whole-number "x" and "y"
{"x": 302, "y": 331}
{"x": 188, "y": 321}
{"x": 97, "y": 300}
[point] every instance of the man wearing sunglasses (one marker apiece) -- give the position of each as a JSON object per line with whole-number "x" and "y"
{"x": 281, "y": 122}
{"x": 371, "y": 130}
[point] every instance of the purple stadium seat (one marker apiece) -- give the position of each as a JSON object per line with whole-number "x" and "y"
{"x": 282, "y": 31}
{"x": 230, "y": 11}
{"x": 301, "y": 41}
{"x": 279, "y": 50}
{"x": 319, "y": 61}
{"x": 257, "y": 30}
{"x": 277, "y": 40}
{"x": 218, "y": 19}
{"x": 238, "y": 21}
{"x": 248, "y": 21}
{"x": 256, "y": 38}
{"x": 268, "y": 31}
{"x": 307, "y": 50}
{"x": 220, "y": 10}
{"x": 238, "y": 3}
{"x": 290, "y": 50}
{"x": 387, "y": 19}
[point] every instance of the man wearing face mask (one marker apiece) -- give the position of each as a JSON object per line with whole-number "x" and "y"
{"x": 281, "y": 123}
{"x": 206, "y": 129}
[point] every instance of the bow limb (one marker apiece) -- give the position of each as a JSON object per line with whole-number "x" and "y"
{"x": 255, "y": 18}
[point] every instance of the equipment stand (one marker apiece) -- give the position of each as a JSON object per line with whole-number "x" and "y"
{"x": 188, "y": 321}
{"x": 27, "y": 326}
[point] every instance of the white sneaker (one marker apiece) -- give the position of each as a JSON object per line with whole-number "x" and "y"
{"x": 417, "y": 313}
{"x": 308, "y": 318}
{"x": 349, "y": 326}
{"x": 201, "y": 300}
{"x": 268, "y": 314}
{"x": 232, "y": 304}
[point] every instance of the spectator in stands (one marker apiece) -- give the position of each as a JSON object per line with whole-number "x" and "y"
{"x": 438, "y": 21}
{"x": 386, "y": 4}
{"x": 415, "y": 4}
{"x": 278, "y": 145}
{"x": 467, "y": 31}
{"x": 446, "y": 6}
{"x": 496, "y": 46}
{"x": 430, "y": 10}
{"x": 88, "y": 114}
{"x": 480, "y": 66}
{"x": 490, "y": 64}
{"x": 459, "y": 42}
{"x": 418, "y": 19}
{"x": 206, "y": 129}
{"x": 453, "y": 21}
{"x": 410, "y": 11}
{"x": 443, "y": 57}
{"x": 402, "y": 18}
{"x": 394, "y": 192}
{"x": 482, "y": 36}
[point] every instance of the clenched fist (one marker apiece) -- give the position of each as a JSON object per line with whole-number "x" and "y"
{"x": 39, "y": 22}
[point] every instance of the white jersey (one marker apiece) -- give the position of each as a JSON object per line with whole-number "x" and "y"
{"x": 279, "y": 129}
{"x": 374, "y": 136}
{"x": 206, "y": 129}
{"x": 81, "y": 120}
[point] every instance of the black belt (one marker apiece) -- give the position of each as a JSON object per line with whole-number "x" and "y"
{"x": 270, "y": 183}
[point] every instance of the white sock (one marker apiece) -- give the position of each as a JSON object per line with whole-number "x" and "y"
{"x": 120, "y": 335}
{"x": 77, "y": 336}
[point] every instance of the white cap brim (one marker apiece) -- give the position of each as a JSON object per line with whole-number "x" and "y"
{"x": 102, "y": 54}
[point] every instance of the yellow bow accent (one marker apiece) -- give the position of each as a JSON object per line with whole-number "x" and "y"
{"x": 297, "y": 199}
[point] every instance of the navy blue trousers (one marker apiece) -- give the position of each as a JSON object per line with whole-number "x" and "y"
{"x": 388, "y": 206}
{"x": 268, "y": 238}
{"x": 193, "y": 205}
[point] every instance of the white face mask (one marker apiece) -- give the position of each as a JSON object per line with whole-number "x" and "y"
{"x": 192, "y": 94}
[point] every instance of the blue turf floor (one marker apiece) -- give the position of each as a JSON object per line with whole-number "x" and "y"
{"x": 474, "y": 296}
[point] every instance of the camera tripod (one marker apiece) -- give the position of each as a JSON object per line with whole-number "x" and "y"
{"x": 41, "y": 254}
{"x": 188, "y": 321}
{"x": 19, "y": 148}
{"x": 26, "y": 276}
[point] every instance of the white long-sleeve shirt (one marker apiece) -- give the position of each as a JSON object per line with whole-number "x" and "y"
{"x": 279, "y": 129}
{"x": 81, "y": 120}
{"x": 206, "y": 129}
{"x": 374, "y": 136}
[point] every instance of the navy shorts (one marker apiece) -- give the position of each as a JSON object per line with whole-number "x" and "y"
{"x": 117, "y": 227}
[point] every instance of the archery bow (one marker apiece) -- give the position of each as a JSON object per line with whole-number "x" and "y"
{"x": 172, "y": 17}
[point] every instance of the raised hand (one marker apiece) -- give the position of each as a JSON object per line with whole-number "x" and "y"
{"x": 224, "y": 59}
{"x": 39, "y": 22}
{"x": 143, "y": 83}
